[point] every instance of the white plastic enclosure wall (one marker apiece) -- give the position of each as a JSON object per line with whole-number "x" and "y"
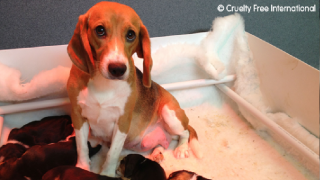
{"x": 290, "y": 85}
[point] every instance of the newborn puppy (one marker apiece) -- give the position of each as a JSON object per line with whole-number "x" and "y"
{"x": 11, "y": 150}
{"x": 48, "y": 130}
{"x": 9, "y": 171}
{"x": 72, "y": 172}
{"x": 185, "y": 175}
{"x": 37, "y": 160}
{"x": 137, "y": 167}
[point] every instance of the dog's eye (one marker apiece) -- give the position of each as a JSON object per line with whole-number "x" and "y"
{"x": 100, "y": 31}
{"x": 131, "y": 36}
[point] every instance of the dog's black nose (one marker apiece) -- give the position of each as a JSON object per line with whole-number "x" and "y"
{"x": 117, "y": 69}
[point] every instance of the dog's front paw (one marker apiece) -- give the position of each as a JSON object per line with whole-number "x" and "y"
{"x": 109, "y": 170}
{"x": 181, "y": 151}
{"x": 109, "y": 173}
{"x": 83, "y": 165}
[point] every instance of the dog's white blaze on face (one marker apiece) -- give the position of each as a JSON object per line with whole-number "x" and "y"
{"x": 114, "y": 56}
{"x": 102, "y": 103}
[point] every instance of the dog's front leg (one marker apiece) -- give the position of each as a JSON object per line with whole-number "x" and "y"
{"x": 110, "y": 165}
{"x": 82, "y": 146}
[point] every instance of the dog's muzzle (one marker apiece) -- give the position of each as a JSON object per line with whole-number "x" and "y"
{"x": 117, "y": 70}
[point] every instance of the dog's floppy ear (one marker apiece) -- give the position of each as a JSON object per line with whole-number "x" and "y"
{"x": 79, "y": 49}
{"x": 144, "y": 51}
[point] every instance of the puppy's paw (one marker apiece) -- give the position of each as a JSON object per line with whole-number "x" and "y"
{"x": 157, "y": 155}
{"x": 181, "y": 151}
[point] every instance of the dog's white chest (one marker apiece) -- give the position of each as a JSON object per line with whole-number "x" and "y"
{"x": 102, "y": 103}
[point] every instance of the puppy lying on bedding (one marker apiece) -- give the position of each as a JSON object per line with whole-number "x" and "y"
{"x": 48, "y": 130}
{"x": 137, "y": 167}
{"x": 133, "y": 167}
{"x": 72, "y": 172}
{"x": 185, "y": 175}
{"x": 37, "y": 160}
{"x": 11, "y": 150}
{"x": 35, "y": 148}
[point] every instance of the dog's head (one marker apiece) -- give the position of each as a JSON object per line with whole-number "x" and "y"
{"x": 105, "y": 39}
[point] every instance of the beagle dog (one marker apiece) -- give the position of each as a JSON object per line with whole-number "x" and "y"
{"x": 111, "y": 99}
{"x": 137, "y": 167}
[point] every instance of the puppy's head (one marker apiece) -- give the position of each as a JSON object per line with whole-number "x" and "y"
{"x": 105, "y": 39}
{"x": 129, "y": 163}
{"x": 181, "y": 175}
{"x": 185, "y": 175}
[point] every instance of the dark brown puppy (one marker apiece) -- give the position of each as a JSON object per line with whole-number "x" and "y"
{"x": 48, "y": 130}
{"x": 185, "y": 175}
{"x": 11, "y": 150}
{"x": 37, "y": 160}
{"x": 73, "y": 173}
{"x": 137, "y": 167}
